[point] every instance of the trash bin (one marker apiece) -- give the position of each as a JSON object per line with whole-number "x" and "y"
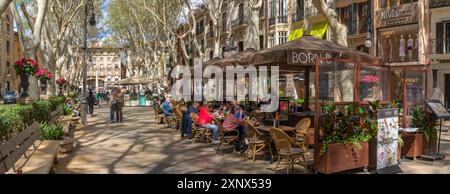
{"x": 142, "y": 100}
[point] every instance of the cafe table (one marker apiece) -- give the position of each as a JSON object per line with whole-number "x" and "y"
{"x": 282, "y": 127}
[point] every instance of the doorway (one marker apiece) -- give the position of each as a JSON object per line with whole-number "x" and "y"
{"x": 447, "y": 91}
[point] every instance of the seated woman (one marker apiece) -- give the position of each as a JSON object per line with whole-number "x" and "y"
{"x": 206, "y": 120}
{"x": 234, "y": 122}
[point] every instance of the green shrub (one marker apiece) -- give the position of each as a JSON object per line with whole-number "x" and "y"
{"x": 55, "y": 101}
{"x": 41, "y": 110}
{"x": 25, "y": 113}
{"x": 67, "y": 110}
{"x": 51, "y": 132}
{"x": 9, "y": 124}
{"x": 423, "y": 119}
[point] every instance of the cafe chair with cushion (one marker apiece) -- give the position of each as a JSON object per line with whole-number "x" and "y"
{"x": 226, "y": 137}
{"x": 288, "y": 149}
{"x": 198, "y": 131}
{"x": 302, "y": 128}
{"x": 257, "y": 141}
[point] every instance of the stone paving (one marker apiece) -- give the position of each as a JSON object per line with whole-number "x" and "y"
{"x": 140, "y": 146}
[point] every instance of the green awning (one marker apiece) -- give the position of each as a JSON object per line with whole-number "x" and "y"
{"x": 296, "y": 34}
{"x": 317, "y": 30}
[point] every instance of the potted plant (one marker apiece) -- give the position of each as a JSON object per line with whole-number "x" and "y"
{"x": 344, "y": 145}
{"x": 61, "y": 82}
{"x": 24, "y": 68}
{"x": 43, "y": 75}
{"x": 423, "y": 141}
{"x": 56, "y": 133}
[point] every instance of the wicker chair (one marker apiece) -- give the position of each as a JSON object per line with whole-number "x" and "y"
{"x": 199, "y": 131}
{"x": 257, "y": 141}
{"x": 302, "y": 129}
{"x": 158, "y": 114}
{"x": 178, "y": 117}
{"x": 225, "y": 138}
{"x": 168, "y": 119}
{"x": 286, "y": 150}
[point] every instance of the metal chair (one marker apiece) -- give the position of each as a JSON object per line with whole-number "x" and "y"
{"x": 257, "y": 140}
{"x": 288, "y": 149}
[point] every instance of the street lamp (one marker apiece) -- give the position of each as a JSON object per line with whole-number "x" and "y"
{"x": 368, "y": 42}
{"x": 89, "y": 30}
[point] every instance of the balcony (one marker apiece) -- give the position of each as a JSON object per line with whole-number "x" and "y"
{"x": 440, "y": 46}
{"x": 240, "y": 22}
{"x": 282, "y": 19}
{"x": 272, "y": 21}
{"x": 439, "y": 3}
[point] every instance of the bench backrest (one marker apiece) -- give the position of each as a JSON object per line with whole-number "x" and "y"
{"x": 14, "y": 148}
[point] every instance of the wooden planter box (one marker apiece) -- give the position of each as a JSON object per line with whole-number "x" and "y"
{"x": 340, "y": 157}
{"x": 415, "y": 144}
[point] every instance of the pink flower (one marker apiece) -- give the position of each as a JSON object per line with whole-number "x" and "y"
{"x": 49, "y": 75}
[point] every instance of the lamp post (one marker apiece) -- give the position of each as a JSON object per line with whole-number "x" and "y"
{"x": 89, "y": 29}
{"x": 227, "y": 51}
{"x": 368, "y": 42}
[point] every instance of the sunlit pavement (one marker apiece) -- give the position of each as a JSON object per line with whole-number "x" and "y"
{"x": 140, "y": 146}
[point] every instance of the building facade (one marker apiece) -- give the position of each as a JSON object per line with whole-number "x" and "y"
{"x": 440, "y": 48}
{"x": 104, "y": 69}
{"x": 7, "y": 57}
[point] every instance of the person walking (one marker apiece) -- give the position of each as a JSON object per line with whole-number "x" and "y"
{"x": 113, "y": 104}
{"x": 91, "y": 99}
{"x": 120, "y": 100}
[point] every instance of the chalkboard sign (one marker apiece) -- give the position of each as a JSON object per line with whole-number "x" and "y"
{"x": 438, "y": 109}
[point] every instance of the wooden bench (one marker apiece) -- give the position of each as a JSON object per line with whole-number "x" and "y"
{"x": 26, "y": 154}
{"x": 56, "y": 115}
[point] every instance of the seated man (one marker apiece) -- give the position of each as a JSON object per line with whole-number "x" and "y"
{"x": 205, "y": 120}
{"x": 166, "y": 107}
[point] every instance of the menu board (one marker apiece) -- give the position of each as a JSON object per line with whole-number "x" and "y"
{"x": 438, "y": 109}
{"x": 387, "y": 138}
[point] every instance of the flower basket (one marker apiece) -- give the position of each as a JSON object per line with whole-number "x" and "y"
{"x": 24, "y": 68}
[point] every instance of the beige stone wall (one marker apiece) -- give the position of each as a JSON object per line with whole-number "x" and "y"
{"x": 7, "y": 74}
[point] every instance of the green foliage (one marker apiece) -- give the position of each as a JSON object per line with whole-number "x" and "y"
{"x": 299, "y": 101}
{"x": 41, "y": 110}
{"x": 51, "y": 132}
{"x": 424, "y": 120}
{"x": 67, "y": 110}
{"x": 352, "y": 125}
{"x": 55, "y": 101}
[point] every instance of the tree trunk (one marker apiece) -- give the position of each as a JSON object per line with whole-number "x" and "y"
{"x": 4, "y": 5}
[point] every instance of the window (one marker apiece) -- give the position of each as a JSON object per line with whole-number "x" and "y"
{"x": 262, "y": 10}
{"x": 241, "y": 13}
{"x": 442, "y": 42}
{"x": 271, "y": 40}
{"x": 8, "y": 26}
{"x": 8, "y": 64}
{"x": 211, "y": 54}
{"x": 282, "y": 7}
{"x": 101, "y": 66}
{"x": 272, "y": 9}
{"x": 282, "y": 37}
{"x": 224, "y": 22}
{"x": 363, "y": 14}
{"x": 211, "y": 28}
{"x": 8, "y": 45}
{"x": 109, "y": 66}
{"x": 345, "y": 17}
{"x": 200, "y": 27}
{"x": 241, "y": 46}
{"x": 261, "y": 42}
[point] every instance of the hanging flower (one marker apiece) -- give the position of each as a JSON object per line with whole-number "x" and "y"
{"x": 61, "y": 82}
{"x": 26, "y": 66}
{"x": 43, "y": 74}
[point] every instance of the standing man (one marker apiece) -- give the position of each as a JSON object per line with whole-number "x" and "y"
{"x": 91, "y": 99}
{"x": 120, "y": 101}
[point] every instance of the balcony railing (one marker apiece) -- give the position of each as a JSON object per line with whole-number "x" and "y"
{"x": 282, "y": 19}
{"x": 440, "y": 46}
{"x": 272, "y": 21}
{"x": 439, "y": 3}
{"x": 241, "y": 21}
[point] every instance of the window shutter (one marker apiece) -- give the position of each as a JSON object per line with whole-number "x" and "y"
{"x": 439, "y": 37}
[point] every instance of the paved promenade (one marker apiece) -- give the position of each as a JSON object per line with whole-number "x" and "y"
{"x": 140, "y": 146}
